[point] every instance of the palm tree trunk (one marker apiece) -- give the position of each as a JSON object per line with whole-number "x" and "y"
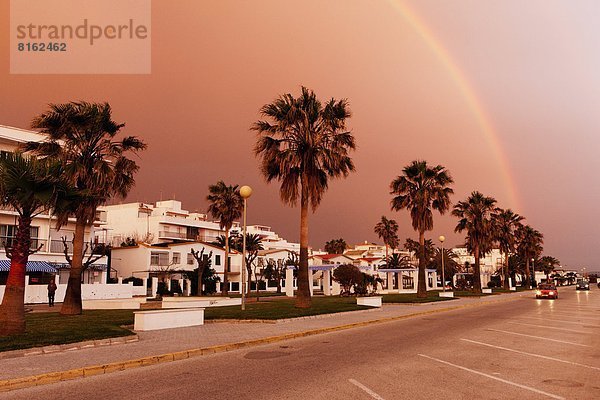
{"x": 506, "y": 275}
{"x": 477, "y": 272}
{"x": 527, "y": 272}
{"x": 12, "y": 309}
{"x": 422, "y": 285}
{"x": 249, "y": 279}
{"x": 303, "y": 299}
{"x": 72, "y": 302}
{"x": 225, "y": 286}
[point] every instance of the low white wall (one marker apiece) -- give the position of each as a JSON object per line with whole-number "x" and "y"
{"x": 164, "y": 319}
{"x": 39, "y": 293}
{"x": 370, "y": 301}
{"x": 114, "y": 304}
{"x": 191, "y": 302}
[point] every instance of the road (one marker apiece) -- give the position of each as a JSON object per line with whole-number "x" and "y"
{"x": 525, "y": 349}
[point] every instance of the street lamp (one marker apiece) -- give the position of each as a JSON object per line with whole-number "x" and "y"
{"x": 442, "y": 238}
{"x": 245, "y": 192}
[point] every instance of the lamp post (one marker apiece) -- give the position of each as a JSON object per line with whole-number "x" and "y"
{"x": 442, "y": 238}
{"x": 245, "y": 192}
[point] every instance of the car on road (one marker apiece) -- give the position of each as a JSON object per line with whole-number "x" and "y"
{"x": 582, "y": 284}
{"x": 547, "y": 291}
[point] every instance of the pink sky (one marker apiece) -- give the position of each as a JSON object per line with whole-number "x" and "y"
{"x": 532, "y": 69}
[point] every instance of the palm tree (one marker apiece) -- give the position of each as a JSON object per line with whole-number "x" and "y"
{"x": 82, "y": 136}
{"x": 396, "y": 260}
{"x": 451, "y": 265}
{"x": 387, "y": 230}
{"x": 29, "y": 186}
{"x": 336, "y": 246}
{"x": 420, "y": 190}
{"x": 303, "y": 146}
{"x": 529, "y": 246}
{"x": 226, "y": 205}
{"x": 504, "y": 224}
{"x": 414, "y": 247}
{"x": 547, "y": 264}
{"x": 475, "y": 218}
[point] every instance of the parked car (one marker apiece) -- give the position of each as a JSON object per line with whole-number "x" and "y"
{"x": 582, "y": 284}
{"x": 546, "y": 290}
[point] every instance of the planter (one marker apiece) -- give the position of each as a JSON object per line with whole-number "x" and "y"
{"x": 487, "y": 291}
{"x": 371, "y": 301}
{"x": 164, "y": 319}
{"x": 446, "y": 294}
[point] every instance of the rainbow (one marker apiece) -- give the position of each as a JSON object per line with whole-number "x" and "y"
{"x": 466, "y": 91}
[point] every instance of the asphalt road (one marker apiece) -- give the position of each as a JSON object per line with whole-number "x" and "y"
{"x": 525, "y": 349}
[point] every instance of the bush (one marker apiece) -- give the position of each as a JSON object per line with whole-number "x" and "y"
{"x": 348, "y": 276}
{"x": 136, "y": 281}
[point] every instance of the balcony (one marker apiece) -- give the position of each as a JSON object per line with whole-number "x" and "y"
{"x": 57, "y": 246}
{"x": 176, "y": 235}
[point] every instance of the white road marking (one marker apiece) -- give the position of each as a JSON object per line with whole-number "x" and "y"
{"x": 532, "y": 354}
{"x": 366, "y": 389}
{"x": 539, "y": 337}
{"x": 565, "y": 314}
{"x": 494, "y": 378}
{"x": 550, "y": 327}
{"x": 562, "y": 321}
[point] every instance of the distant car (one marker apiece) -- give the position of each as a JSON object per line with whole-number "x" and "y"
{"x": 583, "y": 285}
{"x": 546, "y": 291}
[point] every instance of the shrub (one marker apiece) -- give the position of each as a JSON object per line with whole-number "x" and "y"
{"x": 348, "y": 276}
{"x": 136, "y": 281}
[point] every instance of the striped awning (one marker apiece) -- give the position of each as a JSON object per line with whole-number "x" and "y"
{"x": 32, "y": 266}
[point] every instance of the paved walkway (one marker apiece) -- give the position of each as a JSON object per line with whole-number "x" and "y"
{"x": 211, "y": 334}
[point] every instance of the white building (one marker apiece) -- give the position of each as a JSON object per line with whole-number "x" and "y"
{"x": 50, "y": 258}
{"x": 168, "y": 262}
{"x": 488, "y": 265}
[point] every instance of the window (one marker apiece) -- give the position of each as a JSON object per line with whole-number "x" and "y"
{"x": 159, "y": 258}
{"x": 217, "y": 259}
{"x": 176, "y": 258}
{"x": 190, "y": 259}
{"x": 8, "y": 232}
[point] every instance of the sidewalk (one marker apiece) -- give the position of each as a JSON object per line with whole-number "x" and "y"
{"x": 161, "y": 342}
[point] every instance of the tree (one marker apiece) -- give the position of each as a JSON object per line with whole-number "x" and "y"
{"x": 336, "y": 246}
{"x": 504, "y": 225}
{"x": 253, "y": 246}
{"x": 395, "y": 261}
{"x": 226, "y": 205}
{"x": 387, "y": 230}
{"x": 347, "y": 276}
{"x": 530, "y": 245}
{"x": 547, "y": 264}
{"x": 451, "y": 265}
{"x": 475, "y": 217}
{"x": 275, "y": 269}
{"x": 28, "y": 186}
{"x": 420, "y": 190}
{"x": 304, "y": 145}
{"x": 204, "y": 261}
{"x": 413, "y": 246}
{"x": 83, "y": 137}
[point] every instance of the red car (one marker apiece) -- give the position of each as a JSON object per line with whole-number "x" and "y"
{"x": 546, "y": 290}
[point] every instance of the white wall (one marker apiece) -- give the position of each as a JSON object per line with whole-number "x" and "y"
{"x": 39, "y": 293}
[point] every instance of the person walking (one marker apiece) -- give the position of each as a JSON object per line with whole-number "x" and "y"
{"x": 51, "y": 292}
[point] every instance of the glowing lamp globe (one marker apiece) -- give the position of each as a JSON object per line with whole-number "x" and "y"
{"x": 442, "y": 238}
{"x": 245, "y": 192}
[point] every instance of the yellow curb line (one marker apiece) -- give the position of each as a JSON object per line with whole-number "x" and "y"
{"x": 53, "y": 377}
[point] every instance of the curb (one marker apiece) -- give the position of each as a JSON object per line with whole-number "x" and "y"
{"x": 35, "y": 351}
{"x": 53, "y": 377}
